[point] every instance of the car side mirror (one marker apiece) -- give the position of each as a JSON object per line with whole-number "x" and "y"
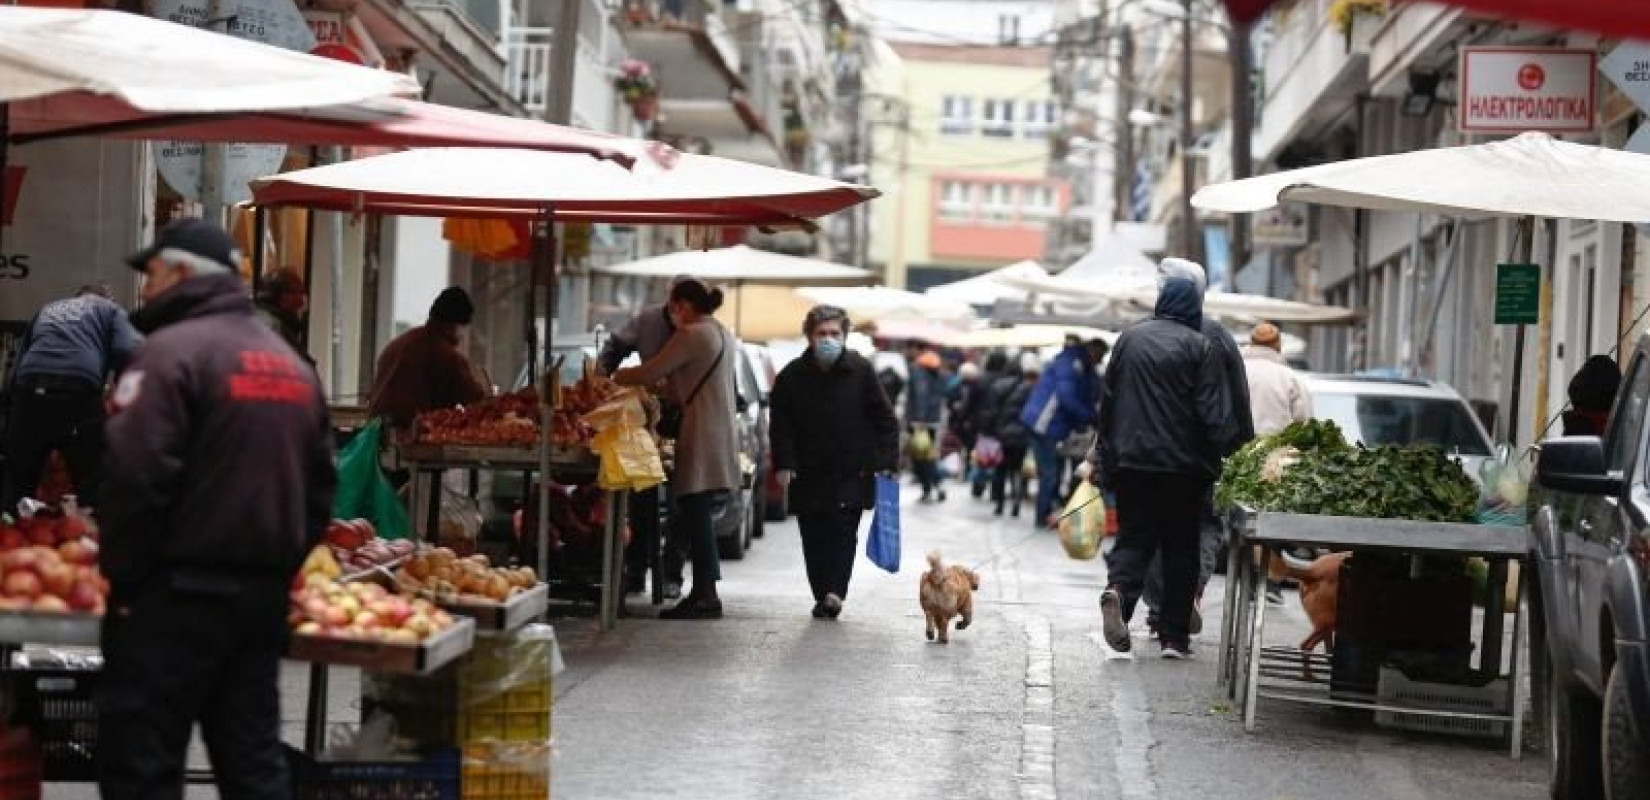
{"x": 1576, "y": 464}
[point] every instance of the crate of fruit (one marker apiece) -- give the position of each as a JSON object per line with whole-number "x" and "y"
{"x": 502, "y": 615}
{"x": 435, "y": 776}
{"x": 58, "y": 708}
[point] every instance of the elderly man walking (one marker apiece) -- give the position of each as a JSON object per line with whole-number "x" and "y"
{"x": 1165, "y": 423}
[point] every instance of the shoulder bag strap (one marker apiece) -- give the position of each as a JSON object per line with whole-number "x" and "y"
{"x": 721, "y": 339}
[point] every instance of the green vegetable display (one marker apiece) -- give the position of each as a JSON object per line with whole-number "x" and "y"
{"x": 1329, "y": 477}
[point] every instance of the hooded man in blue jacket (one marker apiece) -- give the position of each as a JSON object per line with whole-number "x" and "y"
{"x": 1063, "y": 401}
{"x": 1165, "y": 424}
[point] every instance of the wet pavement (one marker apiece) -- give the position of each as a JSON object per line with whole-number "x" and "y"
{"x": 1028, "y": 703}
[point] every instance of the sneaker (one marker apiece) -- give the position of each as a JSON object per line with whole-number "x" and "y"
{"x": 693, "y": 608}
{"x": 673, "y": 590}
{"x": 819, "y": 611}
{"x": 832, "y": 606}
{"x": 1115, "y": 628}
{"x": 1175, "y": 651}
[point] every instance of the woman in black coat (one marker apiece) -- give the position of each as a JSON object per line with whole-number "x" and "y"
{"x": 832, "y": 432}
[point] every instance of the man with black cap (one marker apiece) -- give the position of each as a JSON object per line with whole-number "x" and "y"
{"x": 423, "y": 369}
{"x": 219, "y": 479}
{"x": 72, "y": 347}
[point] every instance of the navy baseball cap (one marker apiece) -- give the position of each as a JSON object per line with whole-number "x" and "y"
{"x": 198, "y": 238}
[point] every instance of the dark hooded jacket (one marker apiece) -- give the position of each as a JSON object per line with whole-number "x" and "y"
{"x": 1242, "y": 420}
{"x": 220, "y": 451}
{"x": 1164, "y": 406}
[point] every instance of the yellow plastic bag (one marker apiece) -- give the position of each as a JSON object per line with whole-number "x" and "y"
{"x": 630, "y": 459}
{"x": 1083, "y": 523}
{"x": 621, "y": 410}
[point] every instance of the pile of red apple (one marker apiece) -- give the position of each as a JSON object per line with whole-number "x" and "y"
{"x": 48, "y": 562}
{"x": 356, "y": 546}
{"x": 362, "y": 611}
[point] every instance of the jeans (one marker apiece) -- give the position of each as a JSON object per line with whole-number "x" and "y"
{"x": 1011, "y": 472}
{"x": 1211, "y": 540}
{"x": 54, "y": 413}
{"x": 830, "y": 540}
{"x": 194, "y": 646}
{"x": 1050, "y": 469}
{"x": 1158, "y": 512}
{"x": 693, "y": 523}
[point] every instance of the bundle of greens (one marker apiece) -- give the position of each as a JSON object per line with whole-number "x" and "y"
{"x": 1326, "y": 476}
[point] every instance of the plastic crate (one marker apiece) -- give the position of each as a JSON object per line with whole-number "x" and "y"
{"x": 463, "y": 704}
{"x": 507, "y": 772}
{"x": 437, "y": 776}
{"x": 1488, "y": 699}
{"x": 59, "y": 708}
{"x": 519, "y": 715}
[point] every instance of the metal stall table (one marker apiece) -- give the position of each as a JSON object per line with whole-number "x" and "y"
{"x": 1245, "y": 661}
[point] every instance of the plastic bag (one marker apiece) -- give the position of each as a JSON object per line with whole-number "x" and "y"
{"x": 882, "y": 545}
{"x": 1504, "y": 485}
{"x": 1083, "y": 523}
{"x": 630, "y": 459}
{"x": 988, "y": 452}
{"x": 624, "y": 409}
{"x": 461, "y": 521}
{"x": 921, "y": 444}
{"x": 952, "y": 465}
{"x": 363, "y": 491}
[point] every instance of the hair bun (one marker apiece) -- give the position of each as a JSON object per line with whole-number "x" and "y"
{"x": 715, "y": 300}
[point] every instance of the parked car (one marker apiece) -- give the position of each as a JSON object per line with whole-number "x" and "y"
{"x": 1590, "y": 600}
{"x": 1377, "y": 411}
{"x": 775, "y": 497}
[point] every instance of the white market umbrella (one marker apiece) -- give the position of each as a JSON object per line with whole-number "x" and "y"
{"x": 742, "y": 264}
{"x": 882, "y": 304}
{"x": 1028, "y": 336}
{"x": 1530, "y": 175}
{"x": 1260, "y": 308}
{"x": 156, "y": 66}
{"x": 984, "y": 290}
{"x": 1114, "y": 258}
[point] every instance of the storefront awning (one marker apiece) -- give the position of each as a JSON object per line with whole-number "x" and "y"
{"x": 485, "y": 182}
{"x": 387, "y": 122}
{"x": 1618, "y": 18}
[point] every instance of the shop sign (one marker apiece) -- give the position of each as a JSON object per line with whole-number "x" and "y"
{"x": 1517, "y": 294}
{"x": 274, "y": 22}
{"x": 1283, "y": 226}
{"x": 1628, "y": 67}
{"x": 332, "y": 36}
{"x": 1518, "y": 89}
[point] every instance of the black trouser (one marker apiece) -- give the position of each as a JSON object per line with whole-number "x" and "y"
{"x": 644, "y": 535}
{"x": 830, "y": 540}
{"x": 1211, "y": 537}
{"x": 692, "y": 522}
{"x": 1158, "y": 512}
{"x": 54, "y": 412}
{"x": 1012, "y": 471}
{"x": 191, "y": 647}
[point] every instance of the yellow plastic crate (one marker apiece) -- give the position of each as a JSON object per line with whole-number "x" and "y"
{"x": 506, "y": 772}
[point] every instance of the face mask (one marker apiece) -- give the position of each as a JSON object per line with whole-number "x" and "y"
{"x": 827, "y": 351}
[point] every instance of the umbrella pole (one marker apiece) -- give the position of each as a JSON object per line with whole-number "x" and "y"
{"x": 5, "y": 168}
{"x": 544, "y": 246}
{"x": 260, "y": 224}
{"x": 1526, "y": 249}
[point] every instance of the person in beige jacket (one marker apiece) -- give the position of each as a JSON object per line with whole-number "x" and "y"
{"x": 1277, "y": 396}
{"x": 697, "y": 366}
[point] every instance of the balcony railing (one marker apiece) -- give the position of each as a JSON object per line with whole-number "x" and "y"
{"x": 527, "y": 67}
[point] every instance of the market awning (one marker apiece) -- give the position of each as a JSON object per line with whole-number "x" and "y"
{"x": 1617, "y": 18}
{"x": 983, "y": 290}
{"x": 1028, "y": 336}
{"x": 1260, "y": 308}
{"x": 386, "y": 122}
{"x": 485, "y": 182}
{"x": 881, "y": 304}
{"x": 151, "y": 65}
{"x": 1530, "y": 175}
{"x": 742, "y": 265}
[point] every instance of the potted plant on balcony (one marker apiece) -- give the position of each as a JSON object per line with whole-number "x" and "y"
{"x": 1356, "y": 19}
{"x": 639, "y": 88}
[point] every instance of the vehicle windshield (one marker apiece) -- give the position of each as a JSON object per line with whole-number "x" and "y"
{"x": 1384, "y": 419}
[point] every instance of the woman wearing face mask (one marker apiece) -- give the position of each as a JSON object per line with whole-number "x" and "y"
{"x": 832, "y": 431}
{"x": 697, "y": 367}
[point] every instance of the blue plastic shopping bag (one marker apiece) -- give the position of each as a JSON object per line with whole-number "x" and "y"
{"x": 882, "y": 546}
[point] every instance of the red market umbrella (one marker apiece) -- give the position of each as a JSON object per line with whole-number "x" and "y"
{"x": 484, "y": 182}
{"x": 1616, "y": 18}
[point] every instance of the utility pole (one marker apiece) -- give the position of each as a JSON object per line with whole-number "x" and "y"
{"x": 1243, "y": 126}
{"x": 212, "y": 155}
{"x": 1188, "y": 184}
{"x": 857, "y": 154}
{"x": 1124, "y": 167}
{"x": 564, "y": 59}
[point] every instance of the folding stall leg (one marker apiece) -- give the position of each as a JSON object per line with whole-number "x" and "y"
{"x": 1257, "y": 640}
{"x": 1495, "y": 612}
{"x": 1515, "y": 688}
{"x": 315, "y": 716}
{"x": 1228, "y": 609}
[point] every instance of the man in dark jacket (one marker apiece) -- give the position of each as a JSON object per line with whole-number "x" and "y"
{"x": 1013, "y": 391}
{"x": 423, "y": 369}
{"x": 1163, "y": 426}
{"x": 1063, "y": 401}
{"x": 71, "y": 349}
{"x": 220, "y": 479}
{"x": 832, "y": 432}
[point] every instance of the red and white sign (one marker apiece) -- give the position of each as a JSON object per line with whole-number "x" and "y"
{"x": 1518, "y": 89}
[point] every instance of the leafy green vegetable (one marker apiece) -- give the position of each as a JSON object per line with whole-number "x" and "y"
{"x": 1331, "y": 478}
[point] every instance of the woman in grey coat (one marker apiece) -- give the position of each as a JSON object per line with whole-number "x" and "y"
{"x": 697, "y": 366}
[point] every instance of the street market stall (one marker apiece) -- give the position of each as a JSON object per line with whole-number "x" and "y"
{"x": 550, "y": 188}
